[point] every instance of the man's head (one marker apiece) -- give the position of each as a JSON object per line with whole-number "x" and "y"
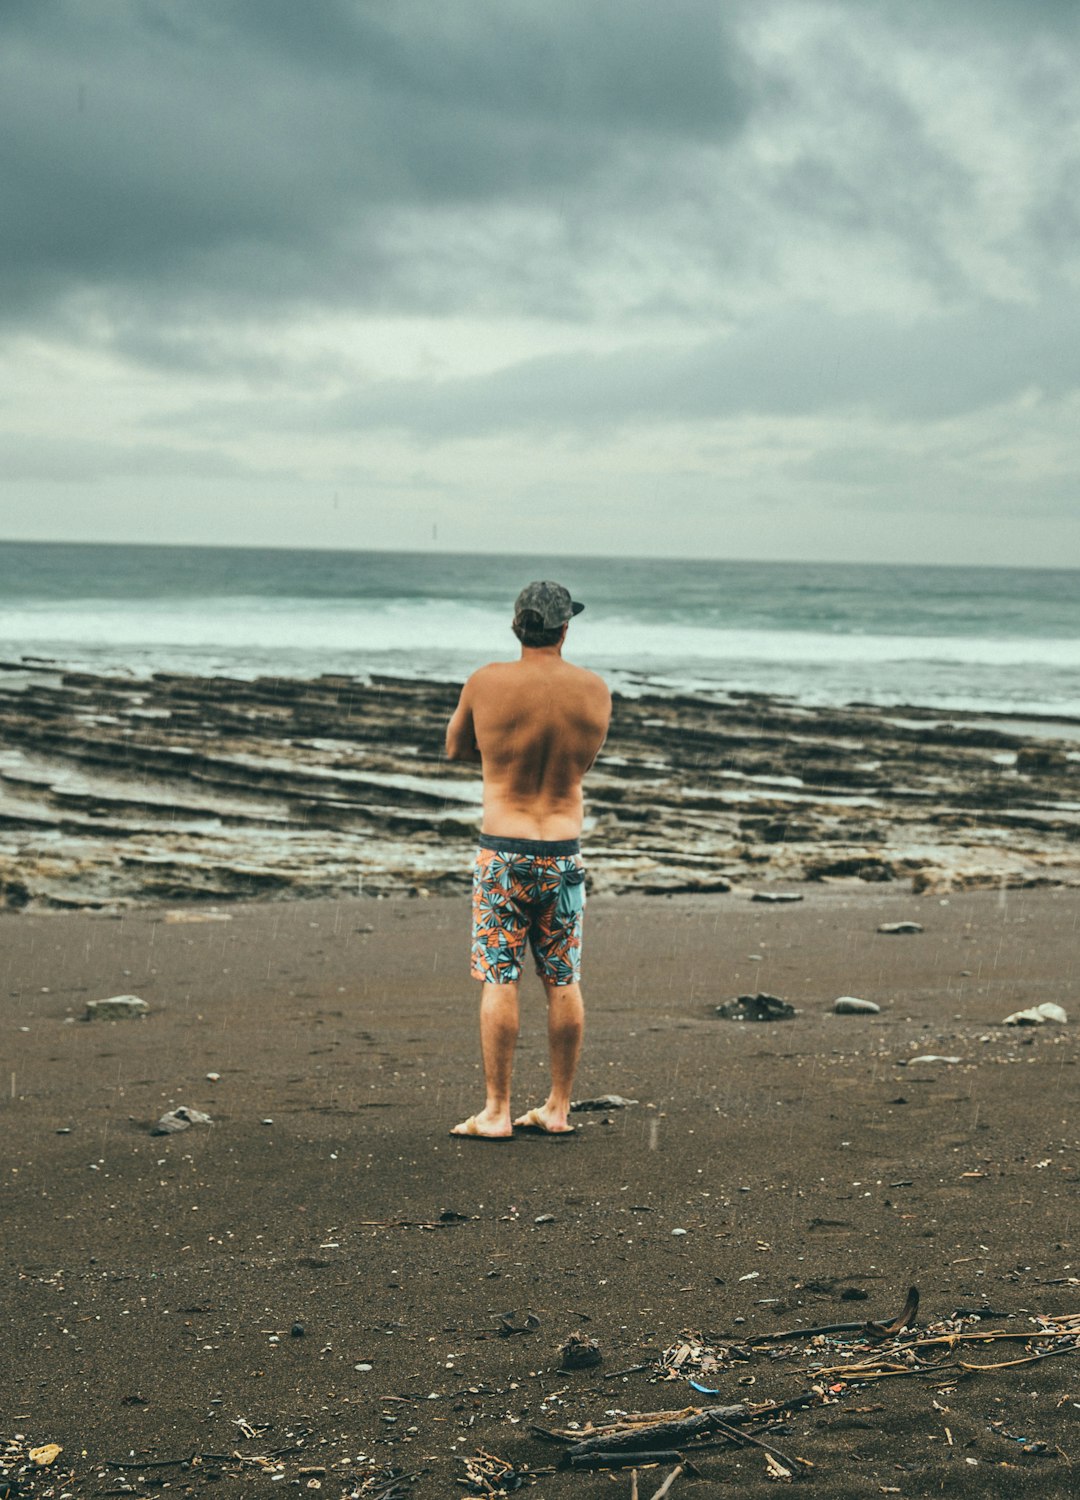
{"x": 542, "y": 612}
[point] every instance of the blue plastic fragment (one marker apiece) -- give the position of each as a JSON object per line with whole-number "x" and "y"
{"x": 706, "y": 1390}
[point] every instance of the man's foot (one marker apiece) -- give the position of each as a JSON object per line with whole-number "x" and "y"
{"x": 545, "y": 1121}
{"x": 482, "y": 1127}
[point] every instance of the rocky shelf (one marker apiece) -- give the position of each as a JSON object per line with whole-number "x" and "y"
{"x": 115, "y": 790}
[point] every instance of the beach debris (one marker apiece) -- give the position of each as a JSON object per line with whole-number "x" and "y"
{"x": 298, "y": 1331}
{"x": 896, "y": 929}
{"x": 927, "y": 1057}
{"x": 508, "y": 1326}
{"x": 47, "y": 1454}
{"x": 180, "y": 1118}
{"x": 851, "y": 1005}
{"x": 185, "y": 917}
{"x": 544, "y": 1219}
{"x": 775, "y": 898}
{"x": 487, "y": 1474}
{"x": 115, "y": 1008}
{"x": 1037, "y": 1015}
{"x": 580, "y": 1353}
{"x": 756, "y": 1008}
{"x": 602, "y": 1102}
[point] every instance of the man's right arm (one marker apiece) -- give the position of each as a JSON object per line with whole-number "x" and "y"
{"x": 461, "y": 732}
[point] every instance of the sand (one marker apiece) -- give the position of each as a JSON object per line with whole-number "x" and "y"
{"x": 152, "y": 1283}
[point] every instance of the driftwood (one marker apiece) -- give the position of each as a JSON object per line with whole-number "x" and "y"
{"x": 674, "y": 1431}
{"x": 624, "y": 1460}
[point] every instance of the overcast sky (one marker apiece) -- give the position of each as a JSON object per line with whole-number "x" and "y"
{"x": 766, "y": 279}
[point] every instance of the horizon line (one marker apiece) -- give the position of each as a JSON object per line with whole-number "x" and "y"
{"x": 797, "y": 562}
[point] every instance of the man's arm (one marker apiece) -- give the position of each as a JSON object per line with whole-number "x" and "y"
{"x": 460, "y": 732}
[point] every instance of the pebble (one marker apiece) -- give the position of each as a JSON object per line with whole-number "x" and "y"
{"x": 179, "y": 1119}
{"x": 678, "y": 1232}
{"x": 361, "y": 1367}
{"x": 116, "y": 1008}
{"x": 776, "y": 896}
{"x": 850, "y": 1005}
{"x": 298, "y": 1330}
{"x": 544, "y": 1219}
{"x": 1038, "y": 1015}
{"x": 897, "y": 927}
{"x": 931, "y": 1057}
{"x": 214, "y": 1077}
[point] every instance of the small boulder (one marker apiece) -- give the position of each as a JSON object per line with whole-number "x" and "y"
{"x": 756, "y": 1008}
{"x": 850, "y": 1005}
{"x": 116, "y": 1008}
{"x": 179, "y": 1119}
{"x": 1037, "y": 1015}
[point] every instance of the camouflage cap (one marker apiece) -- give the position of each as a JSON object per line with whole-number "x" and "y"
{"x": 548, "y": 600}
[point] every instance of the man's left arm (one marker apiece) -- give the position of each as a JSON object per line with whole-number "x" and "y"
{"x": 461, "y": 732}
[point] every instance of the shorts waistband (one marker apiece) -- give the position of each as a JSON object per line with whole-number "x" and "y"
{"x": 538, "y": 848}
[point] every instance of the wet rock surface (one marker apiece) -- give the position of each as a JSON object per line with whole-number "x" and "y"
{"x": 179, "y": 788}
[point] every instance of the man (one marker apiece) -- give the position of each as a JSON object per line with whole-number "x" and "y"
{"x": 536, "y": 725}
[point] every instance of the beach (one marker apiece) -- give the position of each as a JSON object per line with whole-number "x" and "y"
{"x": 155, "y": 1285}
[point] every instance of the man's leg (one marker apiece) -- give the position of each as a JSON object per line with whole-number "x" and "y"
{"x": 566, "y": 1027}
{"x": 498, "y": 1038}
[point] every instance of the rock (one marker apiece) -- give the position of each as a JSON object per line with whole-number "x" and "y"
{"x": 298, "y": 1330}
{"x": 116, "y": 1008}
{"x": 776, "y": 897}
{"x": 580, "y": 1353}
{"x": 850, "y": 1005}
{"x": 678, "y": 1233}
{"x": 179, "y": 1119}
{"x": 185, "y": 917}
{"x": 1038, "y": 1015}
{"x": 929, "y": 1057}
{"x": 604, "y": 1101}
{"x": 895, "y": 928}
{"x": 756, "y": 1008}
{"x": 48, "y": 1453}
{"x": 544, "y": 1219}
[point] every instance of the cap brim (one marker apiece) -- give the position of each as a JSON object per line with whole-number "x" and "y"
{"x": 575, "y": 608}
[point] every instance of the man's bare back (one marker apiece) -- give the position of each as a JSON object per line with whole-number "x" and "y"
{"x": 537, "y": 725}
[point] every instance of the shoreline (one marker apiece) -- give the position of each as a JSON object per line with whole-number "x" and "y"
{"x": 116, "y": 791}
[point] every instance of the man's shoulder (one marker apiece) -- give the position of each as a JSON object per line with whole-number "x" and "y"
{"x": 485, "y": 675}
{"x": 592, "y": 681}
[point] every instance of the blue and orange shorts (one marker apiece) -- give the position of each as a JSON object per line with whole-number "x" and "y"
{"x": 527, "y": 891}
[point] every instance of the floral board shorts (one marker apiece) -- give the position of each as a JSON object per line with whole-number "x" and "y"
{"x": 527, "y": 890}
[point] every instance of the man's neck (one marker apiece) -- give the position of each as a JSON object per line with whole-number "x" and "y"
{"x": 538, "y": 653}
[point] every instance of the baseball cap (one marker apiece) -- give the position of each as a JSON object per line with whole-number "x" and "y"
{"x": 548, "y": 600}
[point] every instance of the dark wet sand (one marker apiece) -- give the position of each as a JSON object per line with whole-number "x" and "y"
{"x": 162, "y": 1268}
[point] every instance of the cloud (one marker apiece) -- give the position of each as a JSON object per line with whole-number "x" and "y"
{"x": 274, "y": 152}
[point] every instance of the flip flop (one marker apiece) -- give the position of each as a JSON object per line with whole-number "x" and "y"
{"x": 468, "y": 1132}
{"x": 533, "y": 1124}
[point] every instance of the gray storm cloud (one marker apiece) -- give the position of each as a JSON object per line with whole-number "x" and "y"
{"x": 251, "y": 238}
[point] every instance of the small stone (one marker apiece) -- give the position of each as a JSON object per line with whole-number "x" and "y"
{"x": 678, "y": 1232}
{"x": 850, "y": 1005}
{"x": 298, "y": 1330}
{"x": 544, "y": 1219}
{"x": 776, "y": 897}
{"x": 213, "y": 1077}
{"x": 1038, "y": 1015}
{"x": 895, "y": 928}
{"x": 931, "y": 1057}
{"x": 116, "y": 1008}
{"x": 604, "y": 1101}
{"x": 580, "y": 1353}
{"x": 179, "y": 1119}
{"x": 362, "y": 1367}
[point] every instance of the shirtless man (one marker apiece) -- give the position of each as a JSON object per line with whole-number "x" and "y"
{"x": 536, "y": 725}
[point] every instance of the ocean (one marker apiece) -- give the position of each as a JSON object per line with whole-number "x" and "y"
{"x": 995, "y": 640}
